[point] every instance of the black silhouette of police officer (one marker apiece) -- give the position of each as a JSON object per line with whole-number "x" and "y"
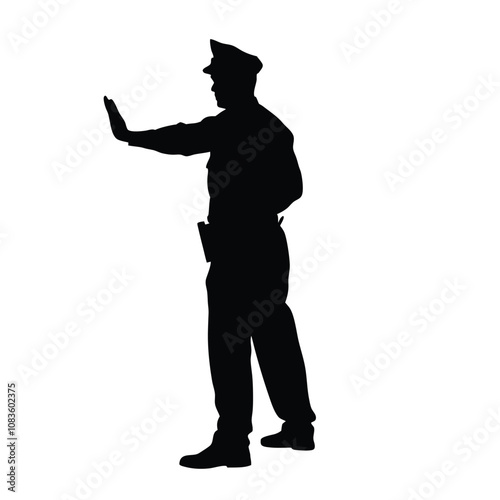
{"x": 253, "y": 176}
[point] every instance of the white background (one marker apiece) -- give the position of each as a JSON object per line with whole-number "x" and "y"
{"x": 121, "y": 208}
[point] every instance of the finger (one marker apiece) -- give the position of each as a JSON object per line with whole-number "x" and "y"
{"x": 112, "y": 110}
{"x": 107, "y": 104}
{"x": 107, "y": 101}
{"x": 112, "y": 106}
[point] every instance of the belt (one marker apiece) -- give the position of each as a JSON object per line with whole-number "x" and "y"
{"x": 212, "y": 233}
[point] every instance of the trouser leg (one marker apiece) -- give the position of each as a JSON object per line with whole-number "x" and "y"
{"x": 281, "y": 362}
{"x": 230, "y": 370}
{"x": 277, "y": 345}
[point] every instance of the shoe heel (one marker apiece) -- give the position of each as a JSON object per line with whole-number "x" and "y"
{"x": 242, "y": 464}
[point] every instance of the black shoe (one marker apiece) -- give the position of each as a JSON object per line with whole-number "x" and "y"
{"x": 299, "y": 440}
{"x": 216, "y": 456}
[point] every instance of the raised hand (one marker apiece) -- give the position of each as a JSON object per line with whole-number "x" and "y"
{"x": 118, "y": 125}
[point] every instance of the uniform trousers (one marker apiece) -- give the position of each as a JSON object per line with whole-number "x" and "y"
{"x": 247, "y": 286}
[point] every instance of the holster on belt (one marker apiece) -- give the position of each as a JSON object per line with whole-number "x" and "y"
{"x": 207, "y": 239}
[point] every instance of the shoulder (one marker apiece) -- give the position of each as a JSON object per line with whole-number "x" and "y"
{"x": 212, "y": 120}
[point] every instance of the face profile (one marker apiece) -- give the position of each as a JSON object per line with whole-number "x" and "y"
{"x": 222, "y": 94}
{"x": 231, "y": 90}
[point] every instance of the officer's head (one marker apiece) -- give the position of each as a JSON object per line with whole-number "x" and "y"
{"x": 234, "y": 73}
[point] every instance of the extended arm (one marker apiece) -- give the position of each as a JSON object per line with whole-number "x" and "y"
{"x": 174, "y": 139}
